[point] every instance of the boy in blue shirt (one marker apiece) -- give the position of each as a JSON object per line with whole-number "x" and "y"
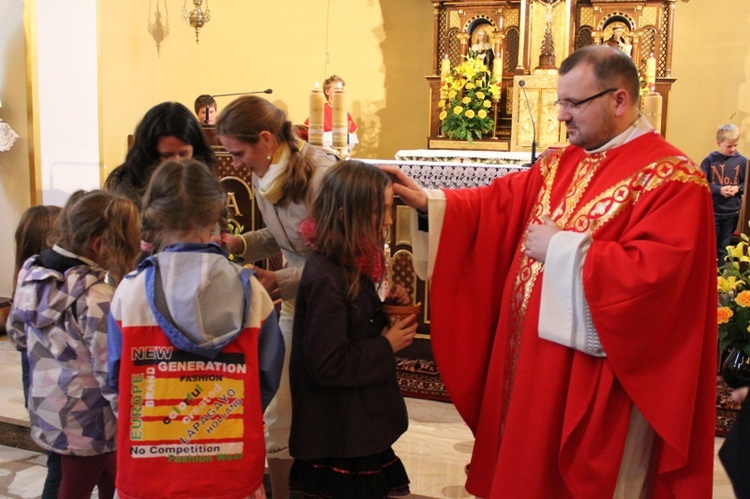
{"x": 725, "y": 170}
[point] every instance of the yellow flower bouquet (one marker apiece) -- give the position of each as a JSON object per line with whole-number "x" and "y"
{"x": 734, "y": 298}
{"x": 465, "y": 114}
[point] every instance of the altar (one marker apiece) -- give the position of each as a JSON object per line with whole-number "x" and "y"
{"x": 464, "y": 156}
{"x": 522, "y": 43}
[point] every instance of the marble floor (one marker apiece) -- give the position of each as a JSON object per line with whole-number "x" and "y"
{"x": 434, "y": 449}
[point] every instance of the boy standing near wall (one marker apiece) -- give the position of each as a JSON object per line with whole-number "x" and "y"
{"x": 725, "y": 170}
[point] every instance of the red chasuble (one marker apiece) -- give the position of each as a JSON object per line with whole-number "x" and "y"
{"x": 549, "y": 420}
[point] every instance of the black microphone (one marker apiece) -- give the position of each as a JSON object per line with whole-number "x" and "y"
{"x": 522, "y": 84}
{"x": 266, "y": 91}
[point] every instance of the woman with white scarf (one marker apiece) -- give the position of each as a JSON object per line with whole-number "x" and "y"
{"x": 285, "y": 172}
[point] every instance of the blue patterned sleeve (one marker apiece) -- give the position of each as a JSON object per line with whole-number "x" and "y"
{"x": 270, "y": 358}
{"x": 114, "y": 349}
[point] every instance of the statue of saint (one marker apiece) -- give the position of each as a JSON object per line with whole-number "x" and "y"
{"x": 482, "y": 49}
{"x": 619, "y": 40}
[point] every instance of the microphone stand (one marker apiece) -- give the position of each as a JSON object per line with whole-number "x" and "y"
{"x": 522, "y": 84}
{"x": 266, "y": 91}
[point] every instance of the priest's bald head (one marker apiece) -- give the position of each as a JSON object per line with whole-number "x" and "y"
{"x": 598, "y": 91}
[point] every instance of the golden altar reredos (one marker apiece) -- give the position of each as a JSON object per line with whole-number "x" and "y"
{"x": 529, "y": 39}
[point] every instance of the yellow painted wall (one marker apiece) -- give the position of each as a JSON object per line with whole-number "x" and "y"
{"x": 712, "y": 65}
{"x": 383, "y": 49}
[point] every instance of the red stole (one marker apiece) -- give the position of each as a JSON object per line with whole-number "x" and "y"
{"x": 547, "y": 418}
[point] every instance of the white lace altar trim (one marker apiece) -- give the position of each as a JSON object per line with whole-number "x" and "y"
{"x": 8, "y": 136}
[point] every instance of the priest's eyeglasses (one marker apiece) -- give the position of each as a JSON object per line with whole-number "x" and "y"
{"x": 566, "y": 105}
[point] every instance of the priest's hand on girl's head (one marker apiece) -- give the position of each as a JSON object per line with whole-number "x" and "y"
{"x": 410, "y": 192}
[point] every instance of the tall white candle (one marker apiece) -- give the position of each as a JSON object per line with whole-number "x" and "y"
{"x": 652, "y": 103}
{"x": 340, "y": 124}
{"x": 651, "y": 71}
{"x": 445, "y": 66}
{"x": 497, "y": 70}
{"x": 315, "y": 125}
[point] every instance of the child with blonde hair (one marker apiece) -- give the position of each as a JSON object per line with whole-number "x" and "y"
{"x": 725, "y": 170}
{"x": 58, "y": 316}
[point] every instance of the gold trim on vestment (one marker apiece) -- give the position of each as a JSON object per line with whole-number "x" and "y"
{"x": 587, "y": 219}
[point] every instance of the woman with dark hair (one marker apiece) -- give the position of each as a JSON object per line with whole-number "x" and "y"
{"x": 285, "y": 173}
{"x": 168, "y": 131}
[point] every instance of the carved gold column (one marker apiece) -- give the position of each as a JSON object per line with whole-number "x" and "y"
{"x": 670, "y": 37}
{"x": 523, "y": 36}
{"x": 635, "y": 54}
{"x": 436, "y": 37}
{"x": 497, "y": 73}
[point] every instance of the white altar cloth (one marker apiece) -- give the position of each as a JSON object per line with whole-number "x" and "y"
{"x": 464, "y": 156}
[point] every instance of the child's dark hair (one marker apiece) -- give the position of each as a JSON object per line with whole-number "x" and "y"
{"x": 203, "y": 101}
{"x": 97, "y": 213}
{"x": 37, "y": 229}
{"x": 348, "y": 213}
{"x": 181, "y": 195}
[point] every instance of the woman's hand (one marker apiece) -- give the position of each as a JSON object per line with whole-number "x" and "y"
{"x": 402, "y": 334}
{"x": 410, "y": 192}
{"x": 234, "y": 244}
{"x": 398, "y": 295}
{"x": 268, "y": 279}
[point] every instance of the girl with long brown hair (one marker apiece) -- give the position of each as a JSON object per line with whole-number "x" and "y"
{"x": 348, "y": 407}
{"x": 285, "y": 172}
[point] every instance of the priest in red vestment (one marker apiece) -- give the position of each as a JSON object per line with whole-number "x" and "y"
{"x": 573, "y": 311}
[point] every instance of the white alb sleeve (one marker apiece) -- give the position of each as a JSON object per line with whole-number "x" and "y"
{"x": 425, "y": 244}
{"x": 564, "y": 315}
